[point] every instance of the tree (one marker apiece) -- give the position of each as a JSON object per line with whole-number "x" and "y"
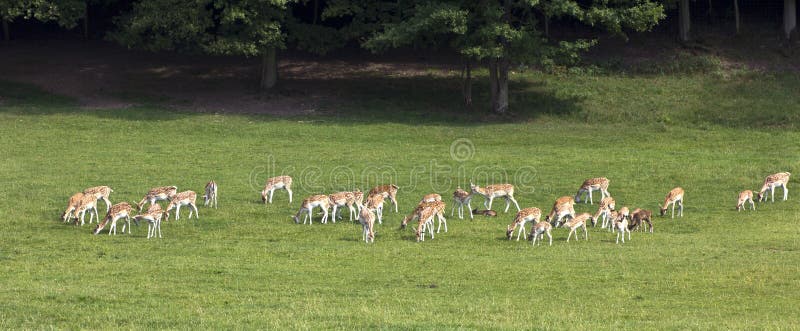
{"x": 501, "y": 32}
{"x": 64, "y": 12}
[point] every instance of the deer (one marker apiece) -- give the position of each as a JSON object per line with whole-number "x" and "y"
{"x": 72, "y": 204}
{"x": 210, "y": 197}
{"x": 773, "y": 181}
{"x": 539, "y": 230}
{"x": 744, "y": 197}
{"x": 675, "y": 196}
{"x": 563, "y": 207}
{"x": 153, "y": 217}
{"x": 375, "y": 201}
{"x": 276, "y": 183}
{"x": 426, "y": 215}
{"x": 639, "y": 217}
{"x": 343, "y": 199}
{"x": 359, "y": 199}
{"x": 484, "y": 212}
{"x": 490, "y": 192}
{"x": 621, "y": 226}
{"x": 578, "y": 222}
{"x": 623, "y": 212}
{"x": 593, "y": 184}
{"x": 116, "y": 212}
{"x": 431, "y": 198}
{"x": 88, "y": 203}
{"x": 163, "y": 193}
{"x": 367, "y": 220}
{"x": 461, "y": 198}
{"x": 320, "y": 200}
{"x": 388, "y": 191}
{"x": 417, "y": 212}
{"x": 100, "y": 193}
{"x": 526, "y": 215}
{"x": 607, "y": 205}
{"x": 185, "y": 198}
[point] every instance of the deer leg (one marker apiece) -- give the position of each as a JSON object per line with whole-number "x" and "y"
{"x": 680, "y": 208}
{"x": 591, "y": 202}
{"x": 785, "y": 192}
{"x": 196, "y": 212}
{"x": 469, "y": 208}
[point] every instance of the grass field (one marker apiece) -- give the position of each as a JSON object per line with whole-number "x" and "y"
{"x": 247, "y": 265}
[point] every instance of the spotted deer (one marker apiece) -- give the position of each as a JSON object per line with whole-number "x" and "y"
{"x": 100, "y": 193}
{"x": 607, "y": 205}
{"x": 426, "y": 216}
{"x": 387, "y": 191}
{"x": 431, "y": 198}
{"x": 343, "y": 199}
{"x": 438, "y": 206}
{"x": 320, "y": 200}
{"x": 621, "y": 226}
{"x": 780, "y": 179}
{"x": 153, "y": 216}
{"x": 88, "y": 203}
{"x": 276, "y": 183}
{"x": 118, "y": 211}
{"x": 639, "y": 217}
{"x": 210, "y": 197}
{"x": 163, "y": 193}
{"x": 375, "y": 202}
{"x": 527, "y": 215}
{"x": 576, "y": 223}
{"x": 623, "y": 212}
{"x": 490, "y": 192}
{"x": 744, "y": 197}
{"x": 539, "y": 230}
{"x": 563, "y": 207}
{"x": 72, "y": 204}
{"x": 367, "y": 220}
{"x": 185, "y": 198}
{"x": 673, "y": 197}
{"x": 461, "y": 198}
{"x": 590, "y": 185}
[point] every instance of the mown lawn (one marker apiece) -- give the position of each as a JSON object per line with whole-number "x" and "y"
{"x": 247, "y": 265}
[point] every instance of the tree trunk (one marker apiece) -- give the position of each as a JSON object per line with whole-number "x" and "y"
{"x": 269, "y": 69}
{"x": 316, "y": 11}
{"x": 789, "y": 17}
{"x": 736, "y": 14}
{"x": 498, "y": 81}
{"x": 547, "y": 25}
{"x": 86, "y": 21}
{"x": 467, "y": 83}
{"x": 684, "y": 20}
{"x": 6, "y": 33}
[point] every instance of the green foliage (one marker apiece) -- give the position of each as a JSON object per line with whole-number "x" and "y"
{"x": 65, "y": 13}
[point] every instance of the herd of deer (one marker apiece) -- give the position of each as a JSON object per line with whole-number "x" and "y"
{"x": 430, "y": 207}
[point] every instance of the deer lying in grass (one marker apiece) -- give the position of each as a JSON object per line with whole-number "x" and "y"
{"x": 675, "y": 196}
{"x": 563, "y": 207}
{"x": 431, "y": 198}
{"x": 607, "y": 205}
{"x": 526, "y": 215}
{"x": 461, "y": 198}
{"x": 153, "y": 217}
{"x": 484, "y": 212}
{"x": 539, "y": 230}
{"x": 72, "y": 204}
{"x": 639, "y": 217}
{"x": 343, "y": 199}
{"x": 387, "y": 191}
{"x": 88, "y": 203}
{"x": 164, "y": 193}
{"x": 593, "y": 184}
{"x": 490, "y": 192}
{"x": 771, "y": 182}
{"x": 118, "y": 211}
{"x": 576, "y": 223}
{"x": 210, "y": 197}
{"x": 367, "y": 220}
{"x": 276, "y": 183}
{"x": 744, "y": 197}
{"x": 100, "y": 193}
{"x": 185, "y": 198}
{"x": 320, "y": 200}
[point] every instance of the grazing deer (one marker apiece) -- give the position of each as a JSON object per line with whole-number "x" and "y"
{"x": 387, "y": 191}
{"x": 563, "y": 207}
{"x": 621, "y": 226}
{"x": 100, "y": 193}
{"x": 72, "y": 204}
{"x": 484, "y": 212}
{"x": 153, "y": 217}
{"x": 211, "y": 194}
{"x": 343, "y": 199}
{"x": 673, "y": 197}
{"x": 88, "y": 203}
{"x": 773, "y": 181}
{"x": 320, "y": 200}
{"x": 185, "y": 198}
{"x": 417, "y": 212}
{"x": 745, "y": 196}
{"x": 490, "y": 192}
{"x": 623, "y": 212}
{"x": 431, "y": 198}
{"x": 607, "y": 205}
{"x": 426, "y": 216}
{"x": 162, "y": 193}
{"x": 461, "y": 198}
{"x": 375, "y": 202}
{"x": 276, "y": 183}
{"x": 639, "y": 217}
{"x": 526, "y": 215}
{"x": 120, "y": 210}
{"x": 593, "y": 184}
{"x": 578, "y": 222}
{"x": 539, "y": 230}
{"x": 367, "y": 220}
